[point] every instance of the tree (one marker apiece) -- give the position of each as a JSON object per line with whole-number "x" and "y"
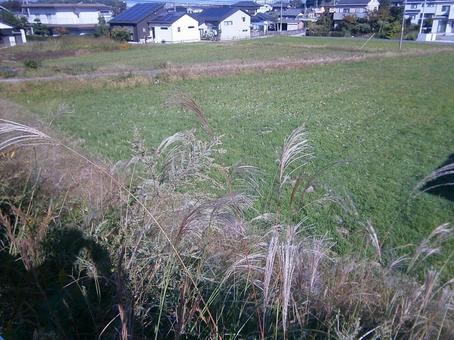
{"x": 40, "y": 29}
{"x": 102, "y": 29}
{"x": 10, "y": 19}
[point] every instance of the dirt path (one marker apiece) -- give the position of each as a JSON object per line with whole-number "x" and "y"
{"x": 231, "y": 67}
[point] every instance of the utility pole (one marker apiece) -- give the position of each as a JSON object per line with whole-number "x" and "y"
{"x": 422, "y": 17}
{"x": 280, "y": 28}
{"x": 403, "y": 24}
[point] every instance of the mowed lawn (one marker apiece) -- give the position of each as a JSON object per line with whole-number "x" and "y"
{"x": 388, "y": 122}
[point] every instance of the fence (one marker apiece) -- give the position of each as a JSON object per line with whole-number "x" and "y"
{"x": 271, "y": 33}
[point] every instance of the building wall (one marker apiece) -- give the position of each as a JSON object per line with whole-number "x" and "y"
{"x": 184, "y": 29}
{"x": 236, "y": 26}
{"x": 67, "y": 16}
{"x": 415, "y": 9}
{"x": 359, "y": 11}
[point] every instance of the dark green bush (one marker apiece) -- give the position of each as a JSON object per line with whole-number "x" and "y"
{"x": 31, "y": 63}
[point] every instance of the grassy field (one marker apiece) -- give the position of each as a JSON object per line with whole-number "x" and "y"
{"x": 389, "y": 122}
{"x": 187, "y": 250}
{"x": 72, "y": 55}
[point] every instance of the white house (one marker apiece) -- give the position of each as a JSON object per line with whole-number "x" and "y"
{"x": 439, "y": 12}
{"x": 224, "y": 23}
{"x": 9, "y": 36}
{"x": 358, "y": 8}
{"x": 74, "y": 18}
{"x": 175, "y": 27}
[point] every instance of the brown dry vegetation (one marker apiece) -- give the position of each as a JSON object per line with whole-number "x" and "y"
{"x": 61, "y": 174}
{"x": 188, "y": 261}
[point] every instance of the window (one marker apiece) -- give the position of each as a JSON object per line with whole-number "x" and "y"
{"x": 163, "y": 28}
{"x": 430, "y": 5}
{"x": 244, "y": 19}
{"x": 228, "y": 23}
{"x": 244, "y": 30}
{"x": 191, "y": 27}
{"x": 346, "y": 10}
{"x": 413, "y": 6}
{"x": 445, "y": 9}
{"x": 179, "y": 29}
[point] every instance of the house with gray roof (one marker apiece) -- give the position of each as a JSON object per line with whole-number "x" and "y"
{"x": 136, "y": 20}
{"x": 250, "y": 7}
{"x": 358, "y": 8}
{"x": 224, "y": 23}
{"x": 9, "y": 35}
{"x": 77, "y": 19}
{"x": 174, "y": 27}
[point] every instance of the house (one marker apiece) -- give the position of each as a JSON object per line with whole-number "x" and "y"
{"x": 263, "y": 22}
{"x": 414, "y": 10}
{"x": 76, "y": 19}
{"x": 292, "y": 19}
{"x": 438, "y": 15}
{"x": 136, "y": 19}
{"x": 249, "y": 7}
{"x": 358, "y": 8}
{"x": 224, "y": 23}
{"x": 9, "y": 36}
{"x": 174, "y": 27}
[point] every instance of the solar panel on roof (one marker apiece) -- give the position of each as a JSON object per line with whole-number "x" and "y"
{"x": 136, "y": 13}
{"x": 167, "y": 19}
{"x": 215, "y": 14}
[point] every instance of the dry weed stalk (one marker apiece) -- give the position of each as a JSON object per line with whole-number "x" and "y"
{"x": 187, "y": 102}
{"x": 295, "y": 154}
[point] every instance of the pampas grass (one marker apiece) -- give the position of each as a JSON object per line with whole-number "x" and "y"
{"x": 190, "y": 262}
{"x": 295, "y": 154}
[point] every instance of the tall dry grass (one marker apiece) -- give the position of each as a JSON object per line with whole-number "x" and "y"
{"x": 186, "y": 257}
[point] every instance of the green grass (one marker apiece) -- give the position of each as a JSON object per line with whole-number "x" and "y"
{"x": 152, "y": 56}
{"x": 391, "y": 119}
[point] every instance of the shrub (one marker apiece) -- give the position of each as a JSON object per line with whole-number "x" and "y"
{"x": 362, "y": 28}
{"x": 120, "y": 34}
{"x": 40, "y": 29}
{"x": 32, "y": 63}
{"x": 411, "y": 36}
{"x": 317, "y": 30}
